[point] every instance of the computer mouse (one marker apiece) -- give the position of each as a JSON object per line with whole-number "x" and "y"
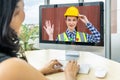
{"x": 100, "y": 72}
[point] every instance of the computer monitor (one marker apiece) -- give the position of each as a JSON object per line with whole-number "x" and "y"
{"x": 55, "y": 19}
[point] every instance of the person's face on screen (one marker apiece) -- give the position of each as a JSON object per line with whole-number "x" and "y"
{"x": 18, "y": 17}
{"x": 71, "y": 22}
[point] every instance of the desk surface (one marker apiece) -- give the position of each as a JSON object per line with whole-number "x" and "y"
{"x": 40, "y": 57}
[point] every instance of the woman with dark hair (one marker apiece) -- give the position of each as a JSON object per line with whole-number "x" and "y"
{"x": 11, "y": 68}
{"x": 8, "y": 38}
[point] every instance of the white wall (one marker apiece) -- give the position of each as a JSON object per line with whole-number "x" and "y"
{"x": 115, "y": 46}
{"x": 115, "y": 38}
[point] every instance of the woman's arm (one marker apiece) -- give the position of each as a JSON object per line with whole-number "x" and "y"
{"x": 17, "y": 69}
{"x": 95, "y": 36}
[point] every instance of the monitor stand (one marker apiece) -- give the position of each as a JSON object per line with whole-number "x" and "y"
{"x": 71, "y": 55}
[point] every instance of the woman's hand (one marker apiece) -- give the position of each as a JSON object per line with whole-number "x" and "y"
{"x": 49, "y": 29}
{"x": 83, "y": 18}
{"x": 71, "y": 70}
{"x": 52, "y": 67}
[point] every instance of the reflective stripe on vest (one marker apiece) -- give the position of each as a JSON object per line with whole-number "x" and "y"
{"x": 63, "y": 37}
{"x": 80, "y": 37}
{"x": 85, "y": 38}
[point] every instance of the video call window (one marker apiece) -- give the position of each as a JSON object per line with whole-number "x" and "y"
{"x": 53, "y": 21}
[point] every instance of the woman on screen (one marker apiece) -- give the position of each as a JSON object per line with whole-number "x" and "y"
{"x": 12, "y": 68}
{"x": 72, "y": 16}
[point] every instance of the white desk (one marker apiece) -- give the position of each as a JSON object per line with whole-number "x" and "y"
{"x": 40, "y": 57}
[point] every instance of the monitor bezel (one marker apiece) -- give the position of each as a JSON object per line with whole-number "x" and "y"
{"x": 101, "y": 4}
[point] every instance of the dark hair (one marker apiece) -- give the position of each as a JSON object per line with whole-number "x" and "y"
{"x": 9, "y": 42}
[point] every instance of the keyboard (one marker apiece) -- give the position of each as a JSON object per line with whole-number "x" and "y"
{"x": 84, "y": 68}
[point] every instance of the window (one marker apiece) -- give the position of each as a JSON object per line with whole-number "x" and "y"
{"x": 32, "y": 11}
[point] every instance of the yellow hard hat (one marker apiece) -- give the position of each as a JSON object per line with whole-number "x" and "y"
{"x": 72, "y": 11}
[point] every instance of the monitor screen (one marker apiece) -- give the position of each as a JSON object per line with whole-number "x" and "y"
{"x": 72, "y": 24}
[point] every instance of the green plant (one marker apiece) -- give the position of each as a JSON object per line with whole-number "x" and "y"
{"x": 28, "y": 32}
